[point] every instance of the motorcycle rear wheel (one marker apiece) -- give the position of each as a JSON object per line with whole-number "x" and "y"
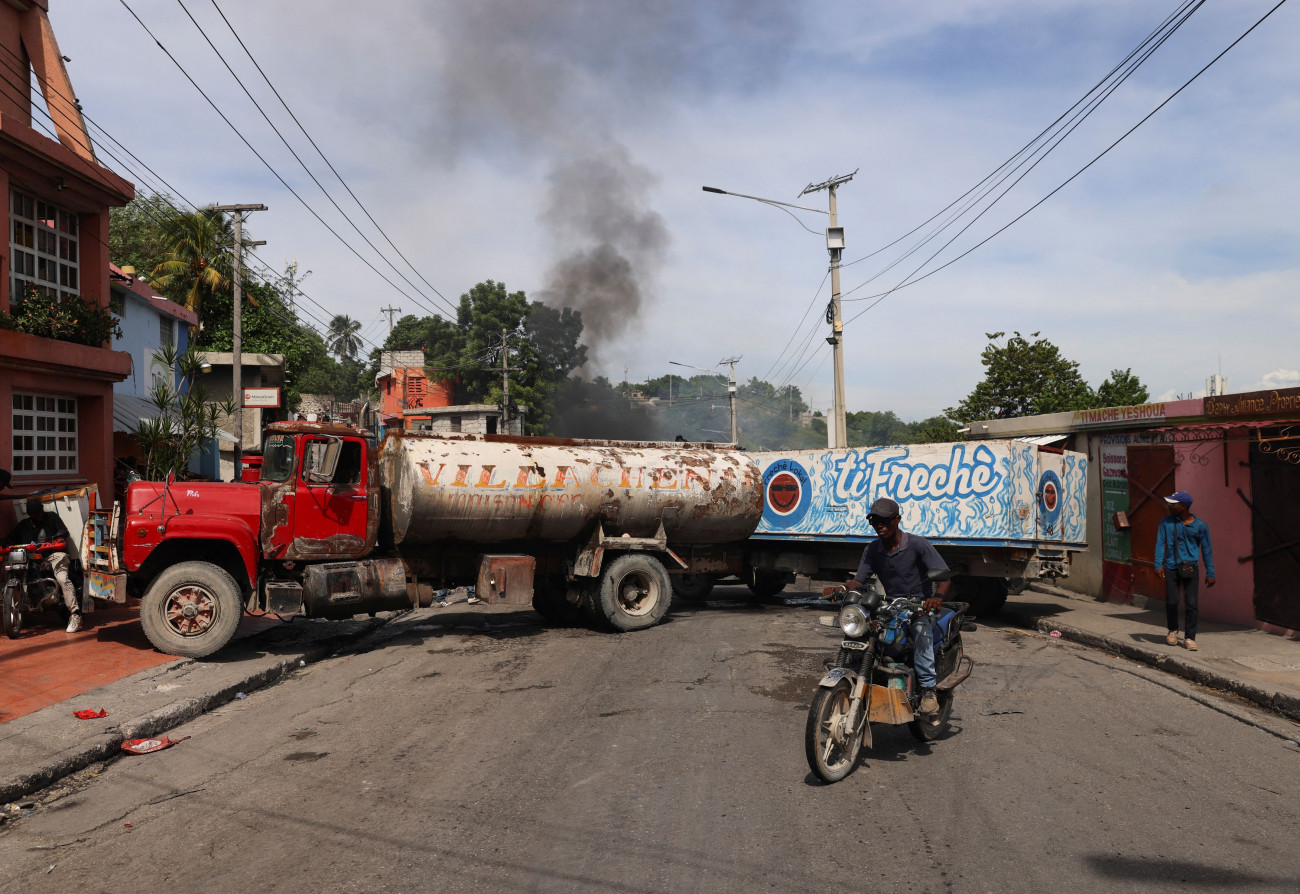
{"x": 831, "y": 749}
{"x": 928, "y": 728}
{"x": 11, "y": 611}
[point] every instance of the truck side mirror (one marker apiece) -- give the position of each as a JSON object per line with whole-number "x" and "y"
{"x": 323, "y": 460}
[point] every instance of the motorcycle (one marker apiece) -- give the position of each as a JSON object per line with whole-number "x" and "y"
{"x": 871, "y": 679}
{"x": 29, "y": 584}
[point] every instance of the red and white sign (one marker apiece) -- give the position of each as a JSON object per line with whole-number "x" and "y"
{"x": 263, "y": 398}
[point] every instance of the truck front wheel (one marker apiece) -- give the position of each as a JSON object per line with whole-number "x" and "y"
{"x": 191, "y": 609}
{"x": 634, "y": 593}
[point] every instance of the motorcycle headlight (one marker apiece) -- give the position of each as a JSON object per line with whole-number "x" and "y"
{"x": 16, "y": 557}
{"x": 853, "y": 620}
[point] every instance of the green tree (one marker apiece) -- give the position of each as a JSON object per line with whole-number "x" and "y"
{"x": 344, "y": 337}
{"x": 1023, "y": 378}
{"x": 198, "y": 264}
{"x": 186, "y": 421}
{"x": 1121, "y": 389}
{"x": 138, "y": 231}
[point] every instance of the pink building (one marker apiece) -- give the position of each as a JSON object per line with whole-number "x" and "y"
{"x": 1238, "y": 455}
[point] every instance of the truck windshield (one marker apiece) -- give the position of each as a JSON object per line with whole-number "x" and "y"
{"x": 277, "y": 458}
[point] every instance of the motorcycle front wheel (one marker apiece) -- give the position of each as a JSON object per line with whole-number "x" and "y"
{"x": 928, "y": 728}
{"x": 831, "y": 747}
{"x": 11, "y": 611}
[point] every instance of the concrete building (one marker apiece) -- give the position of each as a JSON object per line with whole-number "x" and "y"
{"x": 262, "y": 376}
{"x": 56, "y": 427}
{"x": 1237, "y": 455}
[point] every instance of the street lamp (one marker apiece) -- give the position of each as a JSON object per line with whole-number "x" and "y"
{"x": 834, "y": 245}
{"x": 731, "y": 389}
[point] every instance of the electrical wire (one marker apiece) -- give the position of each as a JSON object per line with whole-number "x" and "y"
{"x": 267, "y": 164}
{"x": 910, "y": 282}
{"x": 293, "y": 152}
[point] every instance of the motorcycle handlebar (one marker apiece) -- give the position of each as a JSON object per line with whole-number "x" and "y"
{"x": 48, "y": 545}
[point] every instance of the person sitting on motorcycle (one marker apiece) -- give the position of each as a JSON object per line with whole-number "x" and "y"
{"x": 40, "y": 527}
{"x": 901, "y": 561}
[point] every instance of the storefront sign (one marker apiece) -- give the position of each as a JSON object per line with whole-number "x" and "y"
{"x": 1115, "y": 541}
{"x": 262, "y": 398}
{"x": 1254, "y": 403}
{"x": 1112, "y": 415}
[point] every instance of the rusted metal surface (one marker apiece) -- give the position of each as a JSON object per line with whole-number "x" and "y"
{"x": 494, "y": 488}
{"x": 341, "y": 589}
{"x": 507, "y": 579}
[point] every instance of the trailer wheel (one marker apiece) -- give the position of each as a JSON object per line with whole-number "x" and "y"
{"x": 986, "y": 595}
{"x": 692, "y": 587}
{"x": 766, "y": 584}
{"x": 634, "y": 593}
{"x": 550, "y": 600}
{"x": 191, "y": 609}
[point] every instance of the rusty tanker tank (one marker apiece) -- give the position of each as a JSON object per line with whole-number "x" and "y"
{"x": 499, "y": 489}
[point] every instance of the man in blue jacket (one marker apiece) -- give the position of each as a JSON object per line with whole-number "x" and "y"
{"x": 1182, "y": 539}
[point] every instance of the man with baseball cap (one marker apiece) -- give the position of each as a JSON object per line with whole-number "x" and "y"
{"x": 1182, "y": 539}
{"x": 901, "y": 561}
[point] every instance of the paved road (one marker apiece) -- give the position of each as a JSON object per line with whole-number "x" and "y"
{"x": 480, "y": 751}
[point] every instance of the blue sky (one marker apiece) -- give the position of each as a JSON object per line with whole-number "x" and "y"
{"x": 499, "y": 139}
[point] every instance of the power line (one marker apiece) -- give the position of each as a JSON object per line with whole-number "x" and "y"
{"x": 292, "y": 151}
{"x": 1077, "y": 173}
{"x": 267, "y": 164}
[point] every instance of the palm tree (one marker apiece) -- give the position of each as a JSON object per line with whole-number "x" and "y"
{"x": 344, "y": 340}
{"x": 198, "y": 260}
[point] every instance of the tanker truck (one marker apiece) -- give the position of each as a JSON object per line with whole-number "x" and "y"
{"x": 338, "y": 524}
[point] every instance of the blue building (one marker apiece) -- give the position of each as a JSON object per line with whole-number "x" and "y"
{"x": 149, "y": 322}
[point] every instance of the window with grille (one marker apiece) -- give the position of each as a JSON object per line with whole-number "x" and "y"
{"x": 43, "y": 247}
{"x": 165, "y": 338}
{"x": 44, "y": 433}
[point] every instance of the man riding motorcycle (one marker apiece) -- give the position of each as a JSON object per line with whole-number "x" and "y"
{"x": 901, "y": 561}
{"x": 40, "y": 527}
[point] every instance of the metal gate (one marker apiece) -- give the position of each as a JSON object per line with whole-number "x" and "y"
{"x": 1150, "y": 478}
{"x": 1275, "y": 528}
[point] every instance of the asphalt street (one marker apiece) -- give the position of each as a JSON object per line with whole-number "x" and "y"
{"x": 476, "y": 749}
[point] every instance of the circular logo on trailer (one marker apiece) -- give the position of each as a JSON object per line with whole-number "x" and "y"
{"x": 787, "y": 493}
{"x": 1049, "y": 499}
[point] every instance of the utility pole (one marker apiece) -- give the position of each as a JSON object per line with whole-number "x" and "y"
{"x": 506, "y": 370}
{"x": 835, "y": 245}
{"x": 390, "y": 310}
{"x": 237, "y": 347}
{"x": 731, "y": 393}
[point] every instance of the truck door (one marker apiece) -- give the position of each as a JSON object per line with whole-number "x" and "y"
{"x": 332, "y": 500}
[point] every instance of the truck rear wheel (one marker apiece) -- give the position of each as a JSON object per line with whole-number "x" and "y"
{"x": 692, "y": 587}
{"x": 766, "y": 584}
{"x": 550, "y": 600}
{"x": 634, "y": 592}
{"x": 191, "y": 609}
{"x": 986, "y": 595}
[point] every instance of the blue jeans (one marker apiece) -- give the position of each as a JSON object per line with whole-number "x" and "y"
{"x": 923, "y": 650}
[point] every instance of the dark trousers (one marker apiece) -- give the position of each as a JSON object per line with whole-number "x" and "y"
{"x": 1189, "y": 590}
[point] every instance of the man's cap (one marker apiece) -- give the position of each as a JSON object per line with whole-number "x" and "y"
{"x": 1179, "y": 496}
{"x": 885, "y": 508}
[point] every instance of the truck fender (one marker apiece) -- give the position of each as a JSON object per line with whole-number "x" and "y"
{"x": 834, "y": 675}
{"x": 230, "y": 530}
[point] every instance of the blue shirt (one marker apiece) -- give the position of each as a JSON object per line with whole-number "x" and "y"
{"x": 1177, "y": 542}
{"x": 903, "y": 571}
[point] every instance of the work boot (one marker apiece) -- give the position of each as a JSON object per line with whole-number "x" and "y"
{"x": 929, "y": 702}
{"x": 74, "y": 622}
{"x": 1172, "y": 637}
{"x": 1189, "y": 645}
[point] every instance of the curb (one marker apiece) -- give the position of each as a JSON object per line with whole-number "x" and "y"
{"x": 107, "y": 744}
{"x": 1285, "y": 705}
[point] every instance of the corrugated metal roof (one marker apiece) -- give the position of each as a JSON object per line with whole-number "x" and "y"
{"x": 128, "y": 410}
{"x": 1044, "y": 440}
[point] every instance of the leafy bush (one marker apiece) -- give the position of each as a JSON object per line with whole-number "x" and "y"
{"x": 47, "y": 314}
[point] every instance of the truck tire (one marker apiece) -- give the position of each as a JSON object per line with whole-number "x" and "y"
{"x": 634, "y": 593}
{"x": 191, "y": 609}
{"x": 692, "y": 587}
{"x": 551, "y": 602}
{"x": 986, "y": 595}
{"x": 766, "y": 584}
